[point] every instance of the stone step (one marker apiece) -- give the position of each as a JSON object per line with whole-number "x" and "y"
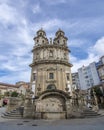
{"x": 90, "y": 116}
{"x": 14, "y": 114}
{"x": 89, "y": 113}
{"x": 10, "y": 117}
{"x": 10, "y": 114}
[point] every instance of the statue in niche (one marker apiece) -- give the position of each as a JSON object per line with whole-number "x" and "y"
{"x": 58, "y": 54}
{"x": 50, "y": 40}
{"x": 44, "y": 54}
{"x": 65, "y": 56}
{"x": 37, "y": 55}
{"x": 51, "y": 53}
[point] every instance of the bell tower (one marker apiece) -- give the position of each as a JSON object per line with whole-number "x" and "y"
{"x": 50, "y": 68}
{"x": 41, "y": 38}
{"x": 60, "y": 38}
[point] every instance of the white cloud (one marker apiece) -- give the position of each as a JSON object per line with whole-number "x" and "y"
{"x": 77, "y": 63}
{"x": 94, "y": 53}
{"x": 8, "y": 14}
{"x": 17, "y": 31}
{"x": 15, "y": 77}
{"x": 36, "y": 9}
{"x": 54, "y": 2}
{"x": 3, "y": 57}
{"x": 77, "y": 42}
{"x": 98, "y": 48}
{"x": 51, "y": 24}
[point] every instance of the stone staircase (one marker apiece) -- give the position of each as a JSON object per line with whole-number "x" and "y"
{"x": 88, "y": 113}
{"x": 14, "y": 114}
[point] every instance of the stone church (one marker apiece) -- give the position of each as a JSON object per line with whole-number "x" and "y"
{"x": 50, "y": 95}
{"x": 51, "y": 75}
{"x": 51, "y": 69}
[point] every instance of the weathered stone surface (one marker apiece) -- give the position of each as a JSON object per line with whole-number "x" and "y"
{"x": 14, "y": 102}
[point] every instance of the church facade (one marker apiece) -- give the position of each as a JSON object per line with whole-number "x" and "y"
{"x": 51, "y": 68}
{"x": 50, "y": 76}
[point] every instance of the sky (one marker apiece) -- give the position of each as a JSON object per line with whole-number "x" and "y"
{"x": 81, "y": 20}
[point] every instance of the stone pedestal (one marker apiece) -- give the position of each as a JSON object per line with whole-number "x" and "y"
{"x": 14, "y": 103}
{"x": 28, "y": 108}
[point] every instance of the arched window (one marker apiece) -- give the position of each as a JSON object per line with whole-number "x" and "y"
{"x": 43, "y": 41}
{"x": 51, "y": 86}
{"x": 58, "y": 42}
{"x": 64, "y": 55}
{"x": 64, "y": 42}
{"x": 34, "y": 76}
{"x": 40, "y": 33}
{"x": 67, "y": 76}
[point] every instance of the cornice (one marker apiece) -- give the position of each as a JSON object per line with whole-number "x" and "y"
{"x": 50, "y": 46}
{"x": 51, "y": 62}
{"x": 60, "y": 36}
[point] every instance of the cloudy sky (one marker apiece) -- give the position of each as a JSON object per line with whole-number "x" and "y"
{"x": 81, "y": 20}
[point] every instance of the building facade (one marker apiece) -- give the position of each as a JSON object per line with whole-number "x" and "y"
{"x": 88, "y": 76}
{"x": 19, "y": 87}
{"x": 4, "y": 87}
{"x": 50, "y": 68}
{"x": 75, "y": 81}
{"x": 101, "y": 69}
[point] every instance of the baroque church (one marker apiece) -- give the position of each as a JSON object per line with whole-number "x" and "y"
{"x": 51, "y": 68}
{"x": 50, "y": 94}
{"x": 51, "y": 75}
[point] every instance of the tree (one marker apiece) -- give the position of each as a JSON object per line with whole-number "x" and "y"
{"x": 97, "y": 91}
{"x": 14, "y": 94}
{"x": 7, "y": 94}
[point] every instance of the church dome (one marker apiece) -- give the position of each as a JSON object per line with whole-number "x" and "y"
{"x": 41, "y": 32}
{"x": 59, "y": 32}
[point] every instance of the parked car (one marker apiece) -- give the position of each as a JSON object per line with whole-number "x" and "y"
{"x": 5, "y": 102}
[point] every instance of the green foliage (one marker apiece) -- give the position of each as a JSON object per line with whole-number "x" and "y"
{"x": 7, "y": 93}
{"x": 97, "y": 91}
{"x": 91, "y": 92}
{"x": 14, "y": 94}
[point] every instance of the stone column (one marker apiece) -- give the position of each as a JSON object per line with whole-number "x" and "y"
{"x": 28, "y": 106}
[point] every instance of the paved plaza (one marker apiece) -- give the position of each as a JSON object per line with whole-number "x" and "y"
{"x": 70, "y": 124}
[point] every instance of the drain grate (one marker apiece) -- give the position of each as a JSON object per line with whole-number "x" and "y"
{"x": 25, "y": 121}
{"x": 34, "y": 125}
{"x": 20, "y": 124}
